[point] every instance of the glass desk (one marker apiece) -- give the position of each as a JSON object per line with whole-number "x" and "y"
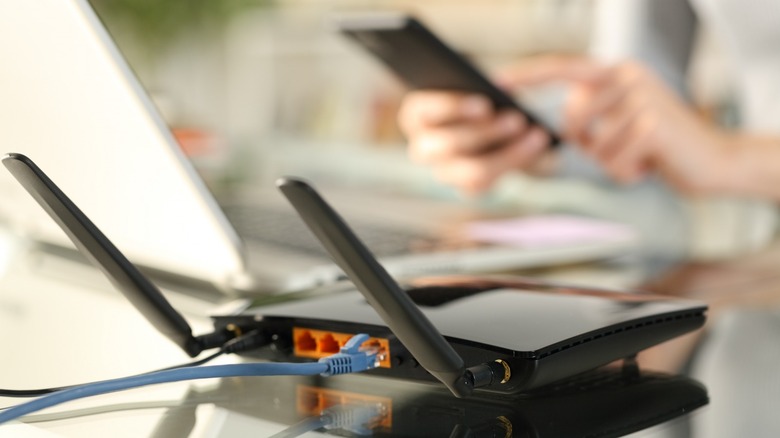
{"x": 59, "y": 332}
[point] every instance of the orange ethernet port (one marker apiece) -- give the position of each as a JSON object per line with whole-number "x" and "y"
{"x": 304, "y": 341}
{"x": 328, "y": 344}
{"x": 315, "y": 344}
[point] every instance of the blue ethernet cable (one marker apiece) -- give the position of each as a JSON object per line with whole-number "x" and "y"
{"x": 350, "y": 359}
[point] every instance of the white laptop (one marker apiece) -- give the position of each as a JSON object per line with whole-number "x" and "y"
{"x": 69, "y": 101}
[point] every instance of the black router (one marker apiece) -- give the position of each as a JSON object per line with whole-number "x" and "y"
{"x": 502, "y": 335}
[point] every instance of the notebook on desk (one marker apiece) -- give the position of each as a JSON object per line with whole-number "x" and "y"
{"x": 71, "y": 102}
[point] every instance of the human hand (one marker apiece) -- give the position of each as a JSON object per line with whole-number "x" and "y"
{"x": 466, "y": 141}
{"x": 632, "y": 123}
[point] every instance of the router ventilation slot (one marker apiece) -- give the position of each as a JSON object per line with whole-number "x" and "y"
{"x": 625, "y": 328}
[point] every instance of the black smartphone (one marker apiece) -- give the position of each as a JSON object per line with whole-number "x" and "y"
{"x": 423, "y": 61}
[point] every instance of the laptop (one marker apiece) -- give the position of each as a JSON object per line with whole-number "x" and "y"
{"x": 71, "y": 102}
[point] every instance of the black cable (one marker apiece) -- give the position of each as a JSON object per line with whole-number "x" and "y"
{"x": 247, "y": 341}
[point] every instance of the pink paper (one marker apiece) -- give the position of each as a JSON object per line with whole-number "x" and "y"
{"x": 547, "y": 230}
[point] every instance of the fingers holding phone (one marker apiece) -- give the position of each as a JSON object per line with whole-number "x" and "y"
{"x": 456, "y": 119}
{"x": 467, "y": 142}
{"x": 421, "y": 109}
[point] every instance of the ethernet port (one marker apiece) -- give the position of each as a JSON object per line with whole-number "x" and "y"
{"x": 305, "y": 342}
{"x": 328, "y": 344}
{"x": 375, "y": 344}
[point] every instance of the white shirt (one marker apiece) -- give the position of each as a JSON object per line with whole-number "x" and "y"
{"x": 661, "y": 33}
{"x": 749, "y": 32}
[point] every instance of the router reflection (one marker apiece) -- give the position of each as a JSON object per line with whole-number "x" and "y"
{"x": 608, "y": 402}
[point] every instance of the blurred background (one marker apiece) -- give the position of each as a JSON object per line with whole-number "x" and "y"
{"x": 255, "y": 89}
{"x": 253, "y": 84}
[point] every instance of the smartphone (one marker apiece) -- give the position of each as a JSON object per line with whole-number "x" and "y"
{"x": 423, "y": 61}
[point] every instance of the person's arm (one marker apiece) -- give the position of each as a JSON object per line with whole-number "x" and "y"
{"x": 633, "y": 124}
{"x": 752, "y": 166}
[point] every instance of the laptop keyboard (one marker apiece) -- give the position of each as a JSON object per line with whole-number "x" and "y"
{"x": 285, "y": 229}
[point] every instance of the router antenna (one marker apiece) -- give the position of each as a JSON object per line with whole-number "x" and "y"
{"x": 96, "y": 246}
{"x": 395, "y": 307}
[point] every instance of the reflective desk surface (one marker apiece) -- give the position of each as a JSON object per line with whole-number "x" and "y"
{"x": 64, "y": 324}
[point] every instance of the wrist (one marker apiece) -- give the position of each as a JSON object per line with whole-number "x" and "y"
{"x": 749, "y": 166}
{"x": 732, "y": 162}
